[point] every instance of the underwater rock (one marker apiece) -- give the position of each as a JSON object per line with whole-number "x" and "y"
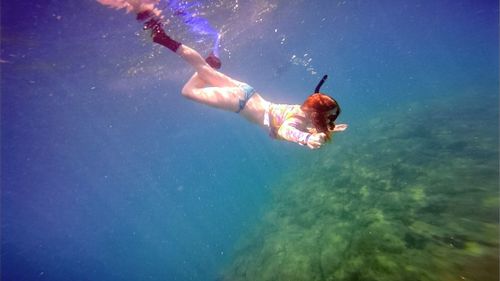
{"x": 417, "y": 203}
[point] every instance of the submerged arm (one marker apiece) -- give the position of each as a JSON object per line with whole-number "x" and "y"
{"x": 290, "y": 131}
{"x": 294, "y": 130}
{"x": 292, "y": 134}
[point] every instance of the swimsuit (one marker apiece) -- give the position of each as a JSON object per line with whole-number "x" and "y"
{"x": 287, "y": 122}
{"x": 249, "y": 91}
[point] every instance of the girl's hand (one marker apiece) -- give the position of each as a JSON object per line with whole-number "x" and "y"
{"x": 340, "y": 127}
{"x": 316, "y": 140}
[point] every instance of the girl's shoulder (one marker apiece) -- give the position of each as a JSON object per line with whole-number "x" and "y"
{"x": 296, "y": 112}
{"x": 288, "y": 113}
{"x": 296, "y": 116}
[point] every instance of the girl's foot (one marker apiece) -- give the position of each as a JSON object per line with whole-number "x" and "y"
{"x": 213, "y": 61}
{"x": 157, "y": 33}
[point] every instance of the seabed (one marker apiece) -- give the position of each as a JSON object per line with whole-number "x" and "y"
{"x": 413, "y": 195}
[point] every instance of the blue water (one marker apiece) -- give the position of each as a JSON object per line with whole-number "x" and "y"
{"x": 109, "y": 174}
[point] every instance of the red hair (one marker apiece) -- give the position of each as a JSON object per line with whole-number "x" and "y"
{"x": 316, "y": 106}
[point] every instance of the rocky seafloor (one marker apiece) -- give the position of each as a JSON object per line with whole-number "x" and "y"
{"x": 410, "y": 195}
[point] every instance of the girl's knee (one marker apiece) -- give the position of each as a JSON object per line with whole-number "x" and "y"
{"x": 188, "y": 91}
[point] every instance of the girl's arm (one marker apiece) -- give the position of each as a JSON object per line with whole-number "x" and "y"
{"x": 290, "y": 133}
{"x": 291, "y": 130}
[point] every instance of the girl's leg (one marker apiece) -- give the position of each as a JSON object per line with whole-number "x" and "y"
{"x": 205, "y": 71}
{"x": 226, "y": 98}
{"x": 207, "y": 85}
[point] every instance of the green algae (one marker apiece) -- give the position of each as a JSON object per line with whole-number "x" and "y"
{"x": 416, "y": 202}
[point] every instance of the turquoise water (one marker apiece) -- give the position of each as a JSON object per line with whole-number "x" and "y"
{"x": 109, "y": 174}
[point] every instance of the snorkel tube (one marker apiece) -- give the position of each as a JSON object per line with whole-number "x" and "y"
{"x": 318, "y": 88}
{"x": 320, "y": 83}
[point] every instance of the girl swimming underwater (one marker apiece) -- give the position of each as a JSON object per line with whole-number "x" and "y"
{"x": 310, "y": 124}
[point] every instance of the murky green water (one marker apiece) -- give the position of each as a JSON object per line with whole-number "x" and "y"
{"x": 411, "y": 195}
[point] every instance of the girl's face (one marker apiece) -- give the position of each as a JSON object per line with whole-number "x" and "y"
{"x": 331, "y": 116}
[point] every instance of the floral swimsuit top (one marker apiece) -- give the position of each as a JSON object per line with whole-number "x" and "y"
{"x": 287, "y": 122}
